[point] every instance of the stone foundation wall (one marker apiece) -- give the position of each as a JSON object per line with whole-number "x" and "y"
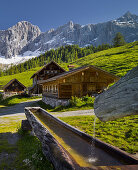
{"x": 9, "y": 94}
{"x": 54, "y": 102}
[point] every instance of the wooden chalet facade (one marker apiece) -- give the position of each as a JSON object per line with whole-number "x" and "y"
{"x": 77, "y": 82}
{"x": 49, "y": 70}
{"x": 14, "y": 86}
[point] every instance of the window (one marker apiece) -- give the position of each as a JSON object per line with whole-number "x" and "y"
{"x": 50, "y": 88}
{"x": 53, "y": 88}
{"x": 56, "y": 88}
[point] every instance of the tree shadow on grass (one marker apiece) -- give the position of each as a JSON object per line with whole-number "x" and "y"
{"x": 8, "y": 150}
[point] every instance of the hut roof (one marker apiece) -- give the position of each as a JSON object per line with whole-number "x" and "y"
{"x": 46, "y": 66}
{"x": 11, "y": 81}
{"x": 74, "y": 71}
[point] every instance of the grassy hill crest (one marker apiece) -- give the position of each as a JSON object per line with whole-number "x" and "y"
{"x": 115, "y": 60}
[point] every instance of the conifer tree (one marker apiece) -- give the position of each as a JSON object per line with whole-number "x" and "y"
{"x": 118, "y": 40}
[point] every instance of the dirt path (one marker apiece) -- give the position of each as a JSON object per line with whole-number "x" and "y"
{"x": 17, "y": 109}
{"x": 73, "y": 113}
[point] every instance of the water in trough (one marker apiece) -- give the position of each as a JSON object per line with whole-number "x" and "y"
{"x": 83, "y": 152}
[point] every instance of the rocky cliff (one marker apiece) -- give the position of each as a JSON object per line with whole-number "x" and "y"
{"x": 15, "y": 38}
{"x": 25, "y": 37}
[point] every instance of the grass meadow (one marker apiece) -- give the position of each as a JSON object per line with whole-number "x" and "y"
{"x": 10, "y": 101}
{"x": 122, "y": 133}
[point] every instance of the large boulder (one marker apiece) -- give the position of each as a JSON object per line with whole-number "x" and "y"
{"x": 120, "y": 100}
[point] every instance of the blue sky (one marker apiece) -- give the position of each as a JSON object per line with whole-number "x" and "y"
{"x": 49, "y": 14}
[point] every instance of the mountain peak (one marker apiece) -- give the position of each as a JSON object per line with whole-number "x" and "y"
{"x": 128, "y": 17}
{"x": 70, "y": 24}
{"x": 128, "y": 14}
{"x": 26, "y": 24}
{"x": 23, "y": 22}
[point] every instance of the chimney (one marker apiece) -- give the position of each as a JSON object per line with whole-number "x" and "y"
{"x": 71, "y": 67}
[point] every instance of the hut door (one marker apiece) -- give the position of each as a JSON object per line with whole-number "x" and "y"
{"x": 84, "y": 89}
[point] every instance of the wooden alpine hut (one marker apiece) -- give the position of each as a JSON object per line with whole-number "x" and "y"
{"x": 49, "y": 70}
{"x": 77, "y": 82}
{"x": 14, "y": 86}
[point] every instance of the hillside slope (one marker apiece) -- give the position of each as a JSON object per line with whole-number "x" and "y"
{"x": 23, "y": 77}
{"x": 116, "y": 60}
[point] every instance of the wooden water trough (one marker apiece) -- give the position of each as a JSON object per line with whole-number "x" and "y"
{"x": 67, "y": 148}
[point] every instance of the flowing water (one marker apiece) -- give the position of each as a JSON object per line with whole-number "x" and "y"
{"x": 84, "y": 153}
{"x": 92, "y": 157}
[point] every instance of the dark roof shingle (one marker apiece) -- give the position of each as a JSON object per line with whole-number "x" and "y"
{"x": 67, "y": 73}
{"x": 11, "y": 81}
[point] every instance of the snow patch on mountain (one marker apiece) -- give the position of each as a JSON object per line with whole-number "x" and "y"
{"x": 15, "y": 60}
{"x": 20, "y": 58}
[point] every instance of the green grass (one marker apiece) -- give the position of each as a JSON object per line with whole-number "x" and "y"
{"x": 122, "y": 133}
{"x": 23, "y": 77}
{"x": 8, "y": 126}
{"x": 10, "y": 123}
{"x": 117, "y": 60}
{"x": 10, "y": 101}
{"x": 27, "y": 151}
{"x": 6, "y": 147}
{"x": 84, "y": 103}
{"x": 30, "y": 153}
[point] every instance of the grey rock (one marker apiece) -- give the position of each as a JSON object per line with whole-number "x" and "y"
{"x": 120, "y": 100}
{"x": 16, "y": 37}
{"x": 26, "y": 125}
{"x": 25, "y": 37}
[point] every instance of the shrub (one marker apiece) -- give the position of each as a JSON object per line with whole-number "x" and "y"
{"x": 1, "y": 98}
{"x": 88, "y": 99}
{"x": 75, "y": 101}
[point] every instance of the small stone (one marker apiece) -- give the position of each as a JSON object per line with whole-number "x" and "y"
{"x": 26, "y": 125}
